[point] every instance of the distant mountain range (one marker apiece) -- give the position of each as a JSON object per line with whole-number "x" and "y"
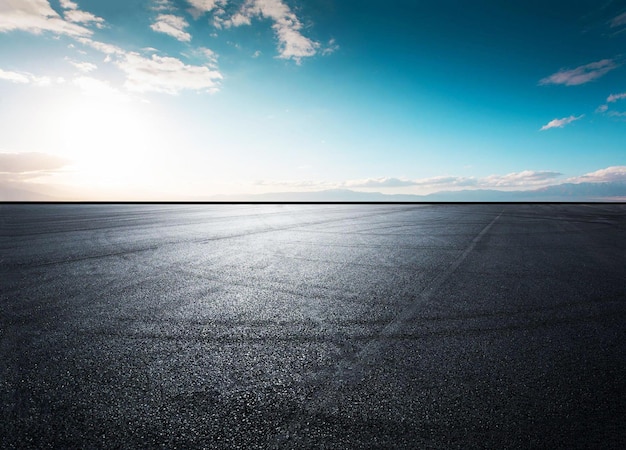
{"x": 567, "y": 192}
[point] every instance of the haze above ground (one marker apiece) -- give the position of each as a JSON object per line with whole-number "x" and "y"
{"x": 192, "y": 99}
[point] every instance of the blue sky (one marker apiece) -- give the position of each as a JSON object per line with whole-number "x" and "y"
{"x": 175, "y": 99}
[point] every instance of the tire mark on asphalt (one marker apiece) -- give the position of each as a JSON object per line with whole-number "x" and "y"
{"x": 351, "y": 369}
{"x": 348, "y": 370}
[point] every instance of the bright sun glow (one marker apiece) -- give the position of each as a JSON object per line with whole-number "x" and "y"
{"x": 108, "y": 137}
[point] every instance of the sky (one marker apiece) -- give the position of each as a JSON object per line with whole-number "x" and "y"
{"x": 187, "y": 99}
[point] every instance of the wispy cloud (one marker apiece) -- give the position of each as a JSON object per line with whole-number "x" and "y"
{"x": 166, "y": 74}
{"x": 602, "y": 108}
{"x": 84, "y": 67}
{"x": 25, "y": 78}
{"x": 519, "y": 179}
{"x": 580, "y": 75}
{"x": 108, "y": 49}
{"x": 30, "y": 162}
{"x": 36, "y": 16}
{"x": 73, "y": 14}
{"x": 560, "y": 123}
{"x": 15, "y": 77}
{"x": 330, "y": 48}
{"x": 210, "y": 56}
{"x": 619, "y": 20}
{"x": 615, "y": 97}
{"x": 388, "y": 182}
{"x": 161, "y": 73}
{"x": 173, "y": 26}
{"x": 609, "y": 175}
{"x": 162, "y": 5}
{"x": 77, "y": 16}
{"x": 617, "y": 114}
{"x": 93, "y": 87}
{"x": 298, "y": 184}
{"x": 380, "y": 182}
{"x": 524, "y": 179}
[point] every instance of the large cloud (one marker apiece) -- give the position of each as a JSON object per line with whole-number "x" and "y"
{"x": 166, "y": 74}
{"x": 36, "y": 16}
{"x": 160, "y": 73}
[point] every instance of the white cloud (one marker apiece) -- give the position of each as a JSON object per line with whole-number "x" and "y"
{"x": 161, "y": 73}
{"x": 580, "y": 75}
{"x": 199, "y": 7}
{"x": 602, "y": 108}
{"x": 619, "y": 20}
{"x": 15, "y": 77}
{"x": 560, "y": 123}
{"x": 36, "y": 16}
{"x": 162, "y": 5}
{"x": 330, "y": 48}
{"x": 291, "y": 43}
{"x": 103, "y": 47}
{"x": 210, "y": 56}
{"x": 172, "y": 25}
{"x": 166, "y": 74}
{"x": 238, "y": 20}
{"x": 610, "y": 174}
{"x": 524, "y": 179}
{"x": 25, "y": 78}
{"x": 77, "y": 16}
{"x": 68, "y": 4}
{"x": 615, "y": 97}
{"x": 84, "y": 67}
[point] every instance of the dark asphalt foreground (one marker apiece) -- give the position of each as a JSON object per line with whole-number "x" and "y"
{"x": 327, "y": 326}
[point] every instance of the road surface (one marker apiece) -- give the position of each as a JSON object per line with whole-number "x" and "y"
{"x": 326, "y": 326}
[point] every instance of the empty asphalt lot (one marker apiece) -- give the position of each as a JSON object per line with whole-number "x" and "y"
{"x": 326, "y": 326}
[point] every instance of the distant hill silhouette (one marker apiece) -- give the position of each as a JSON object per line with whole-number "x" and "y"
{"x": 567, "y": 192}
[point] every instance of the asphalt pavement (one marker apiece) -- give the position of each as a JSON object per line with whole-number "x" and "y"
{"x": 313, "y": 326}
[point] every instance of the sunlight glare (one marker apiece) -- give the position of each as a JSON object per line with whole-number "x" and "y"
{"x": 110, "y": 139}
